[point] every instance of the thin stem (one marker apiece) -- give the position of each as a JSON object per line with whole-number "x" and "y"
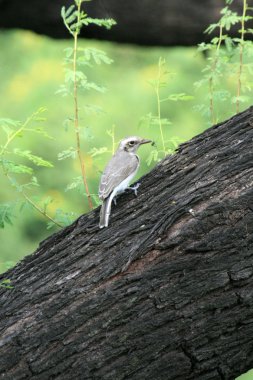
{"x": 3, "y": 151}
{"x": 29, "y": 200}
{"x": 157, "y": 88}
{"x": 13, "y": 135}
{"x": 239, "y": 82}
{"x": 43, "y": 212}
{"x": 211, "y": 85}
{"x": 76, "y": 115}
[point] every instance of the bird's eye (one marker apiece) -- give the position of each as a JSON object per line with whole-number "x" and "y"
{"x": 131, "y": 142}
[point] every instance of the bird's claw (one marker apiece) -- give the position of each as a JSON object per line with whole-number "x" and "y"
{"x": 134, "y": 188}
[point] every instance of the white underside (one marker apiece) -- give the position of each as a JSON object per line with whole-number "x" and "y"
{"x": 118, "y": 189}
{"x": 122, "y": 186}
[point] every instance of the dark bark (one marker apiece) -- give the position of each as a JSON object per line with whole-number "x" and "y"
{"x": 144, "y": 22}
{"x": 165, "y": 292}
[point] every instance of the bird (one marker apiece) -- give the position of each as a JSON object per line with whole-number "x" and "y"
{"x": 118, "y": 173}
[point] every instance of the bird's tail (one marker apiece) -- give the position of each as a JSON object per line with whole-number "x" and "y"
{"x": 105, "y": 212}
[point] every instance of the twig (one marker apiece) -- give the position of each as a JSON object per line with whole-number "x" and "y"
{"x": 214, "y": 65}
{"x": 239, "y": 83}
{"x": 76, "y": 117}
{"x": 157, "y": 88}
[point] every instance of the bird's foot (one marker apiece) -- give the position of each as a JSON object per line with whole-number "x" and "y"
{"x": 134, "y": 188}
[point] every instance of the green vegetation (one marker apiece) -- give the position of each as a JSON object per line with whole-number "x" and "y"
{"x": 76, "y": 80}
{"x": 229, "y": 61}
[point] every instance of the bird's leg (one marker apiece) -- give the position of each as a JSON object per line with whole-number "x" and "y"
{"x": 134, "y": 188}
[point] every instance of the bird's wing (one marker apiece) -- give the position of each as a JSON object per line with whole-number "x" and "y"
{"x": 121, "y": 166}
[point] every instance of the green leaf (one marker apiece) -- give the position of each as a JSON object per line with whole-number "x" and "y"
{"x": 63, "y": 218}
{"x": 41, "y": 131}
{"x": 45, "y": 202}
{"x": 152, "y": 157}
{"x": 69, "y": 10}
{"x": 98, "y": 56}
{"x": 25, "y": 205}
{"x": 34, "y": 181}
{"x": 76, "y": 184}
{"x": 98, "y": 151}
{"x": 229, "y": 43}
{"x": 68, "y": 153}
{"x": 63, "y": 90}
{"x": 240, "y": 99}
{"x": 12, "y": 167}
{"x": 86, "y": 133}
{"x": 68, "y": 52}
{"x": 93, "y": 86}
{"x": 221, "y": 95}
{"x": 9, "y": 122}
{"x": 107, "y": 23}
{"x": 203, "y": 46}
{"x": 69, "y": 75}
{"x": 6, "y": 214}
{"x": 156, "y": 121}
{"x": 95, "y": 199}
{"x": 211, "y": 28}
{"x": 176, "y": 97}
{"x": 31, "y": 157}
{"x": 63, "y": 12}
{"x": 15, "y": 184}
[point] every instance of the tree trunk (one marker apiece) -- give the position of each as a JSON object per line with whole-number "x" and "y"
{"x": 165, "y": 292}
{"x": 143, "y": 22}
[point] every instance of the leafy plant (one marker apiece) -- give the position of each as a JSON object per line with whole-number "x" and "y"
{"x": 15, "y": 161}
{"x": 225, "y": 57}
{"x": 165, "y": 145}
{"x": 76, "y": 59}
{"x": 13, "y": 169}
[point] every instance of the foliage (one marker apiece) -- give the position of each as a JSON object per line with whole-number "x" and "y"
{"x": 166, "y": 145}
{"x": 76, "y": 59}
{"x": 15, "y": 161}
{"x": 11, "y": 167}
{"x": 234, "y": 60}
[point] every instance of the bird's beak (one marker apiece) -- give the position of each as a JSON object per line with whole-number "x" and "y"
{"x": 145, "y": 141}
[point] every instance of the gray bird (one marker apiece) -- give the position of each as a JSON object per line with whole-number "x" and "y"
{"x": 118, "y": 173}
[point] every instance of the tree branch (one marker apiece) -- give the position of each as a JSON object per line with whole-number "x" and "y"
{"x": 181, "y": 308}
{"x": 142, "y": 22}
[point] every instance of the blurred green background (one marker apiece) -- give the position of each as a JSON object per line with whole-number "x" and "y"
{"x": 31, "y": 71}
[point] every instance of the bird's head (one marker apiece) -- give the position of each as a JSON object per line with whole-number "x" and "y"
{"x": 132, "y": 143}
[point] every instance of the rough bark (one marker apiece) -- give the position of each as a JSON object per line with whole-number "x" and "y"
{"x": 144, "y": 22}
{"x": 165, "y": 292}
